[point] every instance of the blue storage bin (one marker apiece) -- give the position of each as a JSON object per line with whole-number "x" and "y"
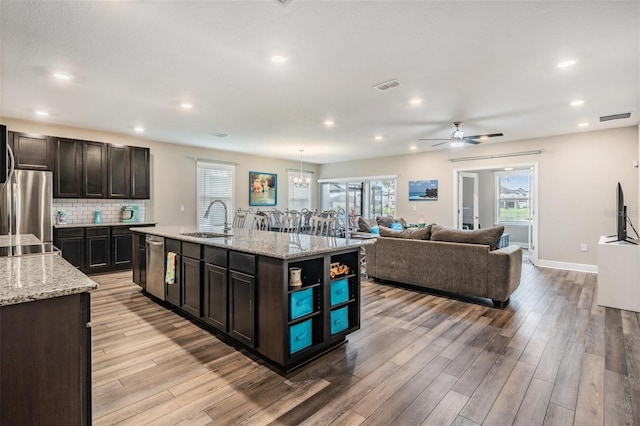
{"x": 300, "y": 303}
{"x": 299, "y": 336}
{"x": 339, "y": 320}
{"x": 339, "y": 291}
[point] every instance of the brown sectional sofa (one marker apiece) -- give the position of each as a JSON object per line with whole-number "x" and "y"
{"x": 455, "y": 267}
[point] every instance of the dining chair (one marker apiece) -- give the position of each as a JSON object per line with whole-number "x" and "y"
{"x": 239, "y": 218}
{"x": 290, "y": 224}
{"x": 325, "y": 226}
{"x": 261, "y": 222}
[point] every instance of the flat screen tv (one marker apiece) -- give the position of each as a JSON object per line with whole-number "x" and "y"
{"x": 621, "y": 215}
{"x": 622, "y": 220}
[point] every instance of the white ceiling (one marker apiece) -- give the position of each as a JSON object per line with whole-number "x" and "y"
{"x": 491, "y": 65}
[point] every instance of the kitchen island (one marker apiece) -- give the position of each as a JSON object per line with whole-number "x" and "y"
{"x": 238, "y": 287}
{"x": 45, "y": 342}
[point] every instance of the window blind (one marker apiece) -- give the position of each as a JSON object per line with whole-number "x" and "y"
{"x": 215, "y": 182}
{"x": 300, "y": 196}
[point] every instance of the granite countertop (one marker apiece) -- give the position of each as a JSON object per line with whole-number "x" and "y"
{"x": 28, "y": 278}
{"x": 18, "y": 240}
{"x": 280, "y": 245}
{"x": 89, "y": 225}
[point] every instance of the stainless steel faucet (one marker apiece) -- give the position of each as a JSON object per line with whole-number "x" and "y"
{"x": 226, "y": 224}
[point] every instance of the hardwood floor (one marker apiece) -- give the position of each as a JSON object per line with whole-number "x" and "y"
{"x": 552, "y": 357}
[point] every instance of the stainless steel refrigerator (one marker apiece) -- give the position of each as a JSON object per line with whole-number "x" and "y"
{"x": 25, "y": 205}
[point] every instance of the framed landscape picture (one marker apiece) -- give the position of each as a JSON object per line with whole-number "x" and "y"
{"x": 263, "y": 189}
{"x": 423, "y": 190}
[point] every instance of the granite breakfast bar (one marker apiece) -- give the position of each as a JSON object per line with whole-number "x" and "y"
{"x": 45, "y": 340}
{"x": 238, "y": 287}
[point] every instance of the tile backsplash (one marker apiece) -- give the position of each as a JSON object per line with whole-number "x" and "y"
{"x": 81, "y": 210}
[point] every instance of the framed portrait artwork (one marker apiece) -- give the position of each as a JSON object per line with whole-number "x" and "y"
{"x": 263, "y": 189}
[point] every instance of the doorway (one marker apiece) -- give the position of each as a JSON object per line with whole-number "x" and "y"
{"x": 500, "y": 195}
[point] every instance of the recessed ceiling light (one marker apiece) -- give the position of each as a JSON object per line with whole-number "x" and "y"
{"x": 577, "y": 102}
{"x": 567, "y": 63}
{"x": 483, "y": 137}
{"x": 416, "y": 101}
{"x": 378, "y": 137}
{"x": 221, "y": 135}
{"x": 413, "y": 147}
{"x": 508, "y": 169}
{"x": 139, "y": 129}
{"x": 42, "y": 113}
{"x": 457, "y": 144}
{"x": 62, "y": 76}
{"x": 583, "y": 124}
{"x": 329, "y": 123}
{"x": 278, "y": 59}
{"x": 186, "y": 105}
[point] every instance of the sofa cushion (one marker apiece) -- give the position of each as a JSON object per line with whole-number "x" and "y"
{"x": 409, "y": 233}
{"x": 388, "y": 220}
{"x": 365, "y": 225}
{"x": 487, "y": 236}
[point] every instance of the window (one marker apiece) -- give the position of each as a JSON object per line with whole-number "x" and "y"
{"x": 368, "y": 197}
{"x": 514, "y": 197}
{"x": 300, "y": 196}
{"x": 215, "y": 182}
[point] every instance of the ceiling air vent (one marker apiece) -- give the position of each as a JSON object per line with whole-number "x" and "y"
{"x": 615, "y": 116}
{"x": 387, "y": 85}
{"x": 283, "y": 2}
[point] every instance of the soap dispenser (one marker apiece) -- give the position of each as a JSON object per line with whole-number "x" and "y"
{"x": 97, "y": 216}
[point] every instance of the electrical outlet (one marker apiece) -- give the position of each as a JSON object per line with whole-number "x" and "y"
{"x": 583, "y": 247}
{"x": 414, "y": 208}
{"x": 181, "y": 208}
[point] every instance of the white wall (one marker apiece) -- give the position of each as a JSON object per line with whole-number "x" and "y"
{"x": 173, "y": 173}
{"x": 577, "y": 184}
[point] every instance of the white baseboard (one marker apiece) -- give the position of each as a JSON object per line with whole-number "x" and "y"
{"x": 580, "y": 267}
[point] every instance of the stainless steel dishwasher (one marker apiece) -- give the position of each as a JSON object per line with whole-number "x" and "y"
{"x": 155, "y": 266}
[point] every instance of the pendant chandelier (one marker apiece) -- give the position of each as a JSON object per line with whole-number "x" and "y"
{"x": 300, "y": 181}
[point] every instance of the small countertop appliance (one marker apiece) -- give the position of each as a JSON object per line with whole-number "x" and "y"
{"x": 130, "y": 214}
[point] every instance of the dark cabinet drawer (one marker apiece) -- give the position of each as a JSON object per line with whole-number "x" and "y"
{"x": 215, "y": 256}
{"x": 120, "y": 230}
{"x": 173, "y": 245}
{"x": 99, "y": 231}
{"x": 242, "y": 262}
{"x": 192, "y": 250}
{"x": 69, "y": 233}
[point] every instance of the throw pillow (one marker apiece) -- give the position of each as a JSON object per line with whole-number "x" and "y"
{"x": 385, "y": 220}
{"x": 375, "y": 230}
{"x": 488, "y": 236}
{"x": 364, "y": 225}
{"x": 409, "y": 233}
{"x": 397, "y": 226}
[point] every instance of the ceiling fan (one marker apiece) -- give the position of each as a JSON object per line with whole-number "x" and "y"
{"x": 458, "y": 138}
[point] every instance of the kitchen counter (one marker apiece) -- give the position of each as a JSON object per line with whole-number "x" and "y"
{"x": 90, "y": 225}
{"x": 18, "y": 240}
{"x": 28, "y": 278}
{"x": 279, "y": 245}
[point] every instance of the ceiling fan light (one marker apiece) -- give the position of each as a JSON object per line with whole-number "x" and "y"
{"x": 458, "y": 134}
{"x": 456, "y": 144}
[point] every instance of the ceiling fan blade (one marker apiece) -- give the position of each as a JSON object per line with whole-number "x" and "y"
{"x": 471, "y": 141}
{"x": 491, "y": 135}
{"x": 441, "y": 143}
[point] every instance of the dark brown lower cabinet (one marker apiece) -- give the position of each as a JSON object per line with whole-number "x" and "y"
{"x": 71, "y": 243}
{"x": 98, "y": 248}
{"x": 45, "y": 362}
{"x": 121, "y": 248}
{"x": 215, "y": 296}
{"x": 242, "y": 291}
{"x": 191, "y": 277}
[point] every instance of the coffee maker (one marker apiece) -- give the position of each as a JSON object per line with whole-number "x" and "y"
{"x": 130, "y": 214}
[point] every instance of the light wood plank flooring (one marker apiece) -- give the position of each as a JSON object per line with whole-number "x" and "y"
{"x": 553, "y": 356}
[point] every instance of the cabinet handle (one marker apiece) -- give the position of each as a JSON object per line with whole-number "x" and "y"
{"x": 340, "y": 291}
{"x": 300, "y": 336}
{"x": 89, "y": 325}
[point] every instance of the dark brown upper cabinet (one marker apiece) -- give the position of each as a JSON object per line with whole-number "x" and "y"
{"x": 31, "y": 151}
{"x": 94, "y": 169}
{"x": 140, "y": 172}
{"x": 118, "y": 171}
{"x": 67, "y": 168}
